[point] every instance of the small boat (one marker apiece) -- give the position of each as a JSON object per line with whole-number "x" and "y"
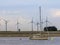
{"x": 38, "y": 37}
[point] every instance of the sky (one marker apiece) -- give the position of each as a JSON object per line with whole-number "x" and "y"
{"x": 25, "y": 10}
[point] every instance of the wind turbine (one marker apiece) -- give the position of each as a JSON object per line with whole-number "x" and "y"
{"x": 47, "y": 26}
{"x": 5, "y": 23}
{"x": 37, "y": 26}
{"x": 18, "y": 26}
{"x": 32, "y": 24}
{"x": 47, "y": 22}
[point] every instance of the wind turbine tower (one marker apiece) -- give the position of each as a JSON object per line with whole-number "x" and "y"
{"x": 37, "y": 26}
{"x": 6, "y": 25}
{"x": 32, "y": 24}
{"x": 46, "y": 22}
{"x": 17, "y": 25}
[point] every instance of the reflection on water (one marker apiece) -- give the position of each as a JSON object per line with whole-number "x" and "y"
{"x": 26, "y": 41}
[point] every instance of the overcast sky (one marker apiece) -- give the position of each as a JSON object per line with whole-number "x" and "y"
{"x": 24, "y": 10}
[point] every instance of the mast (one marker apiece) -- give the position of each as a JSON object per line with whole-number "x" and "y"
{"x": 40, "y": 18}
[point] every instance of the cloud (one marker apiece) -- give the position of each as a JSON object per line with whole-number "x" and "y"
{"x": 12, "y": 16}
{"x": 55, "y": 12}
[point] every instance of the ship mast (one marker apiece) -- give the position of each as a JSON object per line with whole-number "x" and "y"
{"x": 40, "y": 18}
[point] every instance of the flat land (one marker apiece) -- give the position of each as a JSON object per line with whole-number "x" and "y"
{"x": 29, "y": 33}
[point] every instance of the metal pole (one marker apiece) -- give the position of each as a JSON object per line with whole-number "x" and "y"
{"x": 17, "y": 25}
{"x": 6, "y": 25}
{"x": 32, "y": 24}
{"x": 40, "y": 19}
{"x": 37, "y": 26}
{"x": 46, "y": 22}
{"x": 47, "y": 26}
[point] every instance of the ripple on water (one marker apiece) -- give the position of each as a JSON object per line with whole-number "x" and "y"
{"x": 26, "y": 41}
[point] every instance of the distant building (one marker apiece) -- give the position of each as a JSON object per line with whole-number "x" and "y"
{"x": 50, "y": 28}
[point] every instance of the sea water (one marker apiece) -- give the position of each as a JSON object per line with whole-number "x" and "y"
{"x": 27, "y": 41}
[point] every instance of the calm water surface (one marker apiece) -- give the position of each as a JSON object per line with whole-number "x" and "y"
{"x": 26, "y": 41}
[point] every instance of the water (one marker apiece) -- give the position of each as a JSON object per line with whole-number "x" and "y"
{"x": 26, "y": 41}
